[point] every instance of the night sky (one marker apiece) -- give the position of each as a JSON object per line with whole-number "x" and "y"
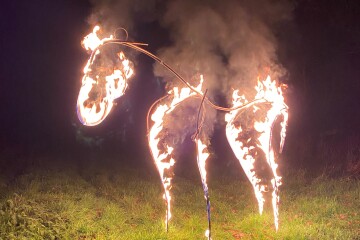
{"x": 42, "y": 62}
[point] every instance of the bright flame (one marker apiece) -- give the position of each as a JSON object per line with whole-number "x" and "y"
{"x": 268, "y": 91}
{"x": 163, "y": 158}
{"x": 92, "y": 41}
{"x": 202, "y": 156}
{"x": 100, "y": 89}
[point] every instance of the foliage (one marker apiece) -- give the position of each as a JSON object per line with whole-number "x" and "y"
{"x": 26, "y": 219}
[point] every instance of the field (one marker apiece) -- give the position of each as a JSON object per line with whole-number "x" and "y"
{"x": 126, "y": 203}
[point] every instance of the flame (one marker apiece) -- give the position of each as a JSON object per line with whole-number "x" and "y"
{"x": 92, "y": 41}
{"x": 202, "y": 156}
{"x": 101, "y": 85}
{"x": 163, "y": 159}
{"x": 269, "y": 92}
{"x": 98, "y": 92}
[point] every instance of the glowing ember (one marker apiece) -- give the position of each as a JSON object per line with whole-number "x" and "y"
{"x": 245, "y": 148}
{"x": 162, "y": 157}
{"x": 102, "y": 85}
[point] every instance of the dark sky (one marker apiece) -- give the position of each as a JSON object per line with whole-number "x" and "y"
{"x": 42, "y": 61}
{"x": 40, "y": 67}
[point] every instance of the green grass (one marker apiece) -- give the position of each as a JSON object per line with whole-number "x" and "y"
{"x": 128, "y": 205}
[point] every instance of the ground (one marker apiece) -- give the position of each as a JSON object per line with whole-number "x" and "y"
{"x": 126, "y": 203}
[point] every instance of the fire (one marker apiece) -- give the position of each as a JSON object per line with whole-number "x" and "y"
{"x": 102, "y": 85}
{"x": 163, "y": 159}
{"x": 201, "y": 159}
{"x": 268, "y": 92}
{"x": 106, "y": 78}
{"x": 202, "y": 156}
{"x": 92, "y": 41}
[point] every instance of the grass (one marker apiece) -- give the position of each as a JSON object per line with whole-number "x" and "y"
{"x": 128, "y": 204}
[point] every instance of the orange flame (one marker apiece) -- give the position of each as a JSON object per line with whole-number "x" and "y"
{"x": 203, "y": 155}
{"x": 98, "y": 92}
{"x": 164, "y": 160}
{"x": 267, "y": 91}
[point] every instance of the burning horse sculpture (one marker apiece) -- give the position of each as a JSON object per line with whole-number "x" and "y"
{"x": 249, "y": 123}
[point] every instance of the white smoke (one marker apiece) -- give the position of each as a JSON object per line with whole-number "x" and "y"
{"x": 230, "y": 42}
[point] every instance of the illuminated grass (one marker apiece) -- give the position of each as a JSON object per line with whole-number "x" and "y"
{"x": 126, "y": 205}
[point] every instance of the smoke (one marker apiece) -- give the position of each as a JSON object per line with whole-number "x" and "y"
{"x": 231, "y": 42}
{"x": 112, "y": 14}
{"x": 187, "y": 112}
